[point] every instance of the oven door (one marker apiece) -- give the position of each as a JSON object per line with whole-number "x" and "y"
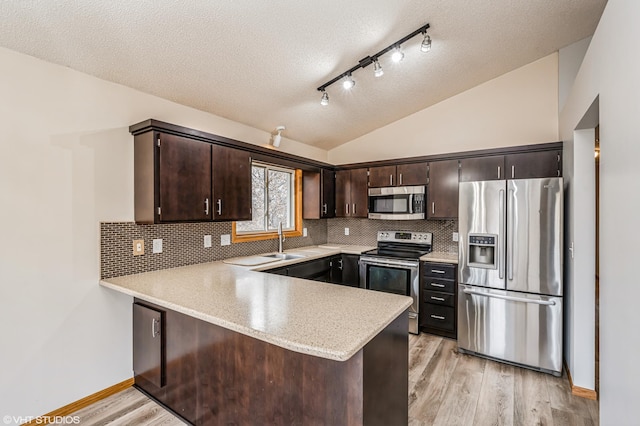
{"x": 393, "y": 276}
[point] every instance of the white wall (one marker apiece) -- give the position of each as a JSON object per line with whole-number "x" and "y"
{"x": 66, "y": 164}
{"x": 569, "y": 61}
{"x": 610, "y": 69}
{"x": 517, "y": 108}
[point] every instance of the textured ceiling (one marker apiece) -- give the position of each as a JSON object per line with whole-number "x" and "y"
{"x": 260, "y": 62}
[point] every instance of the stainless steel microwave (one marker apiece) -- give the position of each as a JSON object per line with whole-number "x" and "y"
{"x": 397, "y": 203}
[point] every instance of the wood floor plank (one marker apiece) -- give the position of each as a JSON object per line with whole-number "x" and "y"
{"x": 420, "y": 355}
{"x": 427, "y": 394}
{"x": 496, "y": 402}
{"x": 564, "y": 418}
{"x": 532, "y": 406}
{"x": 562, "y": 399}
{"x": 461, "y": 397}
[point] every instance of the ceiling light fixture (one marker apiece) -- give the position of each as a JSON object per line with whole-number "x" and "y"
{"x": 397, "y": 56}
{"x": 325, "y": 99}
{"x": 275, "y": 140}
{"x": 377, "y": 68}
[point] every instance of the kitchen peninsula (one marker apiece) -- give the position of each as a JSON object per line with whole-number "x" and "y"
{"x": 220, "y": 344}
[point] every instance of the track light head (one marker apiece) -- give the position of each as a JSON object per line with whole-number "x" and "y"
{"x": 425, "y": 46}
{"x": 277, "y": 138}
{"x": 325, "y": 98}
{"x": 377, "y": 68}
{"x": 348, "y": 82}
{"x": 397, "y": 55}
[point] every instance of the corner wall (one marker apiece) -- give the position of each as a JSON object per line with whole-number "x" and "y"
{"x": 517, "y": 108}
{"x": 610, "y": 70}
{"x": 66, "y": 165}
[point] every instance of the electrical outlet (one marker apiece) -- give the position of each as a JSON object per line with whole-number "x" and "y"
{"x": 138, "y": 247}
{"x": 157, "y": 245}
{"x": 455, "y": 237}
{"x": 207, "y": 241}
{"x": 225, "y": 240}
{"x": 346, "y": 231}
{"x": 304, "y": 232}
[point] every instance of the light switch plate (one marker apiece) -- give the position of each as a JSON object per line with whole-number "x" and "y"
{"x": 207, "y": 241}
{"x": 346, "y": 231}
{"x": 138, "y": 247}
{"x": 225, "y": 240}
{"x": 157, "y": 245}
{"x": 455, "y": 237}
{"x": 304, "y": 232}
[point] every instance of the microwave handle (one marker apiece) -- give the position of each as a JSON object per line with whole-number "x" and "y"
{"x": 411, "y": 209}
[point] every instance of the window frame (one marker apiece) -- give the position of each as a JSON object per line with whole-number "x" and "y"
{"x": 297, "y": 212}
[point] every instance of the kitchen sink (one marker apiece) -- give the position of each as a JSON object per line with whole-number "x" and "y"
{"x": 284, "y": 256}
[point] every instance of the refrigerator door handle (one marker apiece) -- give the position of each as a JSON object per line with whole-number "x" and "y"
{"x": 514, "y": 299}
{"x": 510, "y": 232}
{"x": 501, "y": 243}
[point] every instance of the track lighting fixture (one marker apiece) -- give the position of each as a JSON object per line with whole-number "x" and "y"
{"x": 377, "y": 68}
{"x": 275, "y": 140}
{"x": 425, "y": 46}
{"x": 396, "y": 56}
{"x": 325, "y": 99}
{"x": 348, "y": 82}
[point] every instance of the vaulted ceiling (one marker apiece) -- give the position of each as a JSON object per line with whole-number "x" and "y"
{"x": 260, "y": 62}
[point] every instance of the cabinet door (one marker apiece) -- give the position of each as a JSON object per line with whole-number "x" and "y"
{"x": 442, "y": 191}
{"x": 328, "y": 199}
{"x": 184, "y": 179}
{"x": 148, "y": 344}
{"x": 336, "y": 269}
{"x": 482, "y": 168}
{"x": 350, "y": 270}
{"x": 382, "y": 176}
{"x": 534, "y": 165}
{"x": 359, "y": 193}
{"x": 231, "y": 183}
{"x": 412, "y": 174}
{"x": 343, "y": 193}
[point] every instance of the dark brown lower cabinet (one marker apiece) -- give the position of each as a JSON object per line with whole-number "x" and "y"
{"x": 216, "y": 376}
{"x": 438, "y": 299}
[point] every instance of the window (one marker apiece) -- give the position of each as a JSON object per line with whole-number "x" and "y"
{"x": 275, "y": 199}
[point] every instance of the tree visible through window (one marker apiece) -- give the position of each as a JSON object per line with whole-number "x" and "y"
{"x": 273, "y": 195}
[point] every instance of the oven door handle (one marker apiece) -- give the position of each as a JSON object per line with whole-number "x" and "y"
{"x": 379, "y": 262}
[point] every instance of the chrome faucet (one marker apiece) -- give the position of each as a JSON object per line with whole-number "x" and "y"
{"x": 280, "y": 237}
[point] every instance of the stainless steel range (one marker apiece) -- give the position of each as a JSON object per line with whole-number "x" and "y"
{"x": 394, "y": 267}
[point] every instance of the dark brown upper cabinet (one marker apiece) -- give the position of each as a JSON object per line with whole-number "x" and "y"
{"x": 442, "y": 190}
{"x": 532, "y": 165}
{"x": 172, "y": 176}
{"x": 231, "y": 183}
{"x": 400, "y": 175}
{"x": 351, "y": 193}
{"x": 482, "y": 168}
{"x": 318, "y": 194}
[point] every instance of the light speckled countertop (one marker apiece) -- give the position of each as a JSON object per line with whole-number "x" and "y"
{"x": 325, "y": 320}
{"x": 440, "y": 257}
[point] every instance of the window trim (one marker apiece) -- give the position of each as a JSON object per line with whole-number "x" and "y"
{"x": 271, "y": 235}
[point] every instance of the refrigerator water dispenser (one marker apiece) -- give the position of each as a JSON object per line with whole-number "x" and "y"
{"x": 483, "y": 251}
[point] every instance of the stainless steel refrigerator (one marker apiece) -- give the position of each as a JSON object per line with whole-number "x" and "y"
{"x": 510, "y": 271}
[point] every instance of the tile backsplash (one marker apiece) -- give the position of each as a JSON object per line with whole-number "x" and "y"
{"x": 365, "y": 231}
{"x": 183, "y": 244}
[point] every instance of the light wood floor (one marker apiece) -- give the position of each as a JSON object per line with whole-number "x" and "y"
{"x": 445, "y": 388}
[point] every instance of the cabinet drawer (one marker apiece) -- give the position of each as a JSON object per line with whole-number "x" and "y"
{"x": 439, "y": 270}
{"x": 435, "y": 284}
{"x": 438, "y": 298}
{"x": 442, "y": 317}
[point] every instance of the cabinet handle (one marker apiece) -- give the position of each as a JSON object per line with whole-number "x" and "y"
{"x": 340, "y": 262}
{"x": 206, "y": 206}
{"x": 439, "y": 299}
{"x": 498, "y": 172}
{"x": 438, "y": 317}
{"x": 437, "y": 285}
{"x": 433, "y": 207}
{"x": 391, "y": 180}
{"x": 324, "y": 208}
{"x": 354, "y": 208}
{"x": 347, "y": 208}
{"x": 437, "y": 271}
{"x": 219, "y": 202}
{"x": 155, "y": 332}
{"x": 513, "y": 172}
{"x": 400, "y": 178}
